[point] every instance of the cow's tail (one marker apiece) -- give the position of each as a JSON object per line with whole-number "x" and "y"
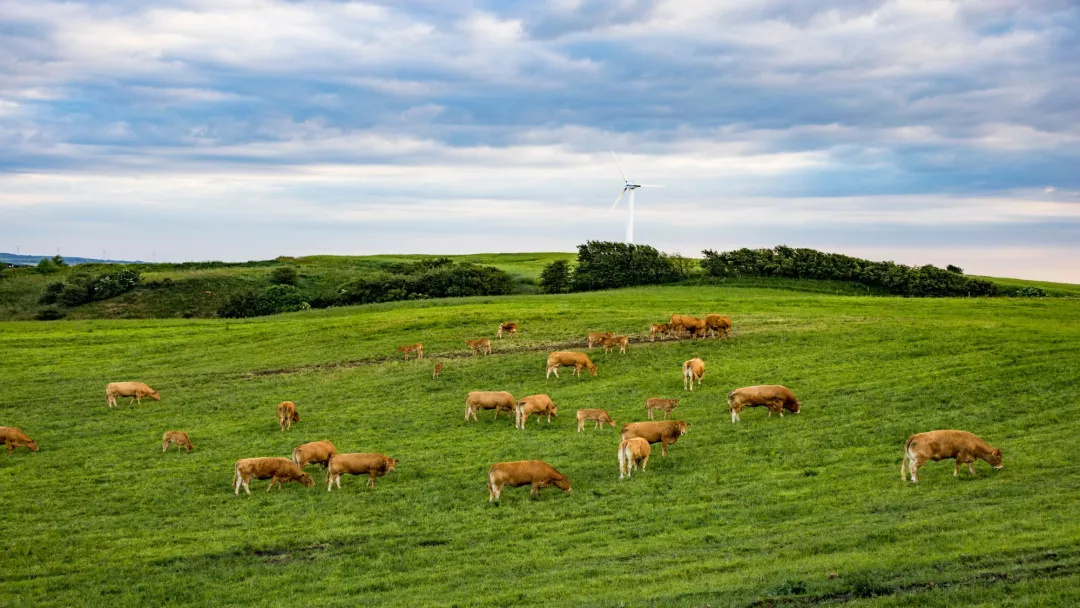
{"x": 235, "y": 474}
{"x": 624, "y": 456}
{"x": 904, "y": 460}
{"x": 329, "y": 466}
{"x": 295, "y": 457}
{"x": 731, "y": 399}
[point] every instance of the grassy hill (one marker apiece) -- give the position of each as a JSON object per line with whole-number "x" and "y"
{"x": 802, "y": 510}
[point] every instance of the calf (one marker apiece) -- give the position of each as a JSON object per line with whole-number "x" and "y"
{"x": 489, "y": 400}
{"x": 417, "y": 348}
{"x": 277, "y": 470}
{"x": 773, "y": 396}
{"x": 482, "y": 345}
{"x": 598, "y": 337}
{"x": 600, "y": 417}
{"x": 438, "y": 370}
{"x": 375, "y": 465}
{"x": 13, "y": 438}
{"x": 654, "y": 403}
{"x": 534, "y": 404}
{"x": 180, "y": 438}
{"x": 287, "y": 414}
{"x": 509, "y": 327}
{"x": 942, "y": 445}
{"x": 135, "y": 390}
{"x": 317, "y": 451}
{"x": 632, "y": 451}
{"x": 620, "y": 341}
{"x": 535, "y": 473}
{"x": 692, "y": 370}
{"x": 665, "y": 432}
{"x": 579, "y": 361}
{"x": 718, "y": 324}
{"x": 659, "y": 329}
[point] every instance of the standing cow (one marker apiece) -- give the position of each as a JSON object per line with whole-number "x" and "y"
{"x": 619, "y": 341}
{"x": 597, "y": 337}
{"x": 135, "y": 390}
{"x": 482, "y": 345}
{"x": 942, "y": 445}
{"x": 540, "y": 405}
{"x": 773, "y": 396}
{"x": 287, "y": 414}
{"x": 374, "y": 465}
{"x": 508, "y": 327}
{"x": 655, "y": 403}
{"x": 718, "y": 324}
{"x": 578, "y": 361}
{"x": 535, "y": 473}
{"x": 600, "y": 417}
{"x": 631, "y": 452}
{"x": 180, "y": 438}
{"x": 692, "y": 370}
{"x": 319, "y": 452}
{"x": 664, "y": 432}
{"x": 500, "y": 401}
{"x": 277, "y": 470}
{"x": 13, "y": 438}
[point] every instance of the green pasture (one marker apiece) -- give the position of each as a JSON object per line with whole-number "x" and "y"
{"x": 803, "y": 510}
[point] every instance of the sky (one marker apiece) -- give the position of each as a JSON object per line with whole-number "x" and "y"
{"x": 919, "y": 131}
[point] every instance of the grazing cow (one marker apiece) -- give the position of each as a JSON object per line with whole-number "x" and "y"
{"x": 659, "y": 329}
{"x": 488, "y": 400}
{"x": 599, "y": 337}
{"x": 631, "y": 452}
{"x": 315, "y": 452}
{"x": 579, "y": 361}
{"x": 509, "y": 327}
{"x": 13, "y": 438}
{"x": 692, "y": 370}
{"x": 773, "y": 396}
{"x": 180, "y": 438}
{"x": 718, "y": 324}
{"x": 540, "y": 405}
{"x": 375, "y": 465}
{"x": 135, "y": 390}
{"x": 600, "y": 417}
{"x": 655, "y": 403}
{"x": 277, "y": 470}
{"x": 942, "y": 445}
{"x": 287, "y": 414}
{"x": 693, "y": 325}
{"x": 438, "y": 370}
{"x": 664, "y": 432}
{"x": 535, "y": 473}
{"x": 612, "y": 342}
{"x": 483, "y": 345}
{"x": 417, "y": 348}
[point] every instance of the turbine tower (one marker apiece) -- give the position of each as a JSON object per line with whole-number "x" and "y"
{"x": 628, "y": 186}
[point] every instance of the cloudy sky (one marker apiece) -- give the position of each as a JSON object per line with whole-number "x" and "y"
{"x": 923, "y": 131}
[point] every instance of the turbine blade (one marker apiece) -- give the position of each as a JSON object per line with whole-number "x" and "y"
{"x": 651, "y": 186}
{"x": 621, "y": 172}
{"x": 619, "y": 198}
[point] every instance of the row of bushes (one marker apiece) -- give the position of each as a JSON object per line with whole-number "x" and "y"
{"x": 273, "y": 300}
{"x": 82, "y": 288}
{"x": 608, "y": 265}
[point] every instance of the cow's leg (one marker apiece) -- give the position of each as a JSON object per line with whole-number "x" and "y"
{"x": 273, "y": 480}
{"x": 337, "y": 478}
{"x": 10, "y": 447}
{"x": 644, "y": 462}
{"x": 164, "y": 446}
{"x": 534, "y": 490}
{"x": 971, "y": 467}
{"x": 329, "y": 481}
{"x": 663, "y": 448}
{"x": 247, "y": 484}
{"x": 596, "y": 426}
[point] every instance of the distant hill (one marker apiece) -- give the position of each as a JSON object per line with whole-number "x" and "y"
{"x": 32, "y": 260}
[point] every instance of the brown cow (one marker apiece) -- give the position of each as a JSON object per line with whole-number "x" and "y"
{"x": 482, "y": 345}
{"x": 535, "y": 473}
{"x": 13, "y": 438}
{"x": 438, "y": 370}
{"x": 600, "y": 417}
{"x": 664, "y": 432}
{"x": 659, "y": 329}
{"x": 277, "y": 470}
{"x": 693, "y": 325}
{"x": 632, "y": 451}
{"x": 135, "y": 390}
{"x": 287, "y": 414}
{"x": 315, "y": 452}
{"x": 692, "y": 369}
{"x": 509, "y": 327}
{"x": 655, "y": 403}
{"x": 718, "y": 324}
{"x": 612, "y": 342}
{"x": 773, "y": 396}
{"x": 598, "y": 337}
{"x": 578, "y": 360}
{"x": 489, "y": 400}
{"x": 375, "y": 465}
{"x": 417, "y": 348}
{"x": 942, "y": 445}
{"x": 534, "y": 404}
{"x": 180, "y": 438}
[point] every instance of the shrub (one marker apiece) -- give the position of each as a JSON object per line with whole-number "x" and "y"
{"x": 438, "y": 278}
{"x": 74, "y": 294}
{"x": 52, "y": 293}
{"x": 239, "y": 306}
{"x": 556, "y": 277}
{"x": 955, "y": 269}
{"x": 284, "y": 275}
{"x": 113, "y": 283}
{"x": 49, "y": 314}
{"x": 1024, "y": 292}
{"x": 607, "y": 265}
{"x": 46, "y": 266}
{"x": 280, "y": 298}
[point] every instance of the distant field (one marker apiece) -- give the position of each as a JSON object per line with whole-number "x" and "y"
{"x": 803, "y": 510}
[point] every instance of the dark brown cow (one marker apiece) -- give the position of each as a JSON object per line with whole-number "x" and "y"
{"x": 773, "y": 396}
{"x": 664, "y": 432}
{"x": 277, "y": 470}
{"x": 942, "y": 445}
{"x": 535, "y": 473}
{"x": 375, "y": 465}
{"x": 319, "y": 452}
{"x": 13, "y": 438}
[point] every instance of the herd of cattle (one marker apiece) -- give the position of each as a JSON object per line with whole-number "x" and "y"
{"x": 635, "y": 438}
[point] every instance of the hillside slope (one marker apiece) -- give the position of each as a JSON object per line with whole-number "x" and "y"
{"x": 794, "y": 511}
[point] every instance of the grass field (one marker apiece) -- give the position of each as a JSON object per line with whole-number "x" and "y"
{"x": 796, "y": 511}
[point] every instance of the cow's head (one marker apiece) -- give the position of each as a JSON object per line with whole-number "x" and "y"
{"x": 674, "y": 402}
{"x": 995, "y": 459}
{"x": 554, "y": 410}
{"x": 681, "y": 427}
{"x": 295, "y": 416}
{"x": 563, "y": 484}
{"x": 798, "y": 406}
{"x": 592, "y": 369}
{"x": 391, "y": 464}
{"x": 156, "y": 396}
{"x": 34, "y": 447}
{"x": 306, "y": 479}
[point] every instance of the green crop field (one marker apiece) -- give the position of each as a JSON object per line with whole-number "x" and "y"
{"x": 802, "y": 510}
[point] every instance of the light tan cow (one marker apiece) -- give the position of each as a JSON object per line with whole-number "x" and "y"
{"x": 417, "y": 348}
{"x": 692, "y": 369}
{"x": 600, "y": 417}
{"x": 773, "y": 396}
{"x": 438, "y": 370}
{"x": 659, "y": 329}
{"x": 540, "y": 405}
{"x": 655, "y": 403}
{"x": 278, "y": 470}
{"x": 319, "y": 452}
{"x": 13, "y": 438}
{"x": 631, "y": 452}
{"x": 509, "y": 327}
{"x": 287, "y": 414}
{"x": 375, "y": 465}
{"x": 664, "y": 432}
{"x": 180, "y": 438}
{"x": 598, "y": 337}
{"x": 965, "y": 447}
{"x": 500, "y": 401}
{"x": 718, "y": 324}
{"x": 535, "y": 473}
{"x": 612, "y": 342}
{"x": 578, "y": 361}
{"x": 135, "y": 390}
{"x": 480, "y": 345}
{"x": 693, "y": 325}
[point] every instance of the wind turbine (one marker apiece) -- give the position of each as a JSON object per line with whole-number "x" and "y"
{"x": 628, "y": 186}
